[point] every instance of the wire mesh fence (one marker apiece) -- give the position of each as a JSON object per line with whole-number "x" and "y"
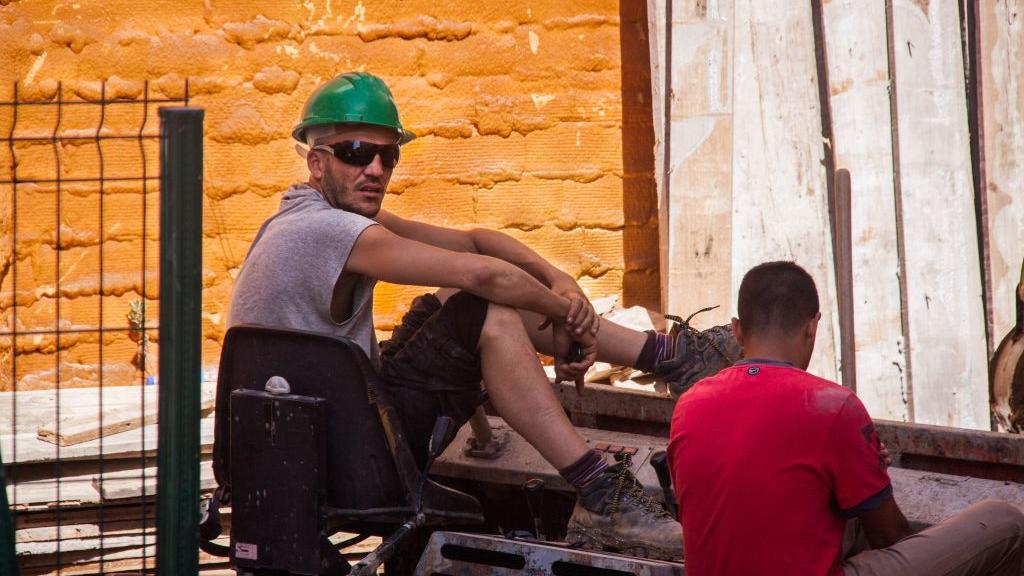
{"x": 79, "y": 287}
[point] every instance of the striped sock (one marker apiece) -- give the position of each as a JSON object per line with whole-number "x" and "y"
{"x": 587, "y": 468}
{"x": 665, "y": 346}
{"x": 658, "y": 348}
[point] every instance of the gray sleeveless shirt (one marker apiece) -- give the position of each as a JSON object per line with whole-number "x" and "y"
{"x": 288, "y": 278}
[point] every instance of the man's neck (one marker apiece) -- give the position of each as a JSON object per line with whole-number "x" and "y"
{"x": 776, "y": 351}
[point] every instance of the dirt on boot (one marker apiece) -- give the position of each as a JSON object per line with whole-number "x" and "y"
{"x": 613, "y": 513}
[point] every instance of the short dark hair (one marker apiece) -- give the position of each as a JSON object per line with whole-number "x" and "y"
{"x": 776, "y": 296}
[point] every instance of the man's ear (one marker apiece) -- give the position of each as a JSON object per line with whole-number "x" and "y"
{"x": 811, "y": 331}
{"x": 737, "y": 331}
{"x": 315, "y": 164}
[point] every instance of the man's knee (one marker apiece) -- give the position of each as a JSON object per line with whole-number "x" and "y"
{"x": 501, "y": 321}
{"x": 1000, "y": 515}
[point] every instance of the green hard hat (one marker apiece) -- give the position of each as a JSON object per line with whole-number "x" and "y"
{"x": 352, "y": 98}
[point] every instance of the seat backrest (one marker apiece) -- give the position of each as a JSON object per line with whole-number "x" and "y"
{"x": 361, "y": 472}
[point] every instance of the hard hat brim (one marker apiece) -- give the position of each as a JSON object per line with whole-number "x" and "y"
{"x": 299, "y": 133}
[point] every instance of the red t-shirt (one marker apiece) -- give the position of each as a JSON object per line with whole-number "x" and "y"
{"x": 768, "y": 462}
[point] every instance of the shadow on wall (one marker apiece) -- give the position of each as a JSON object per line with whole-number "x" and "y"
{"x": 641, "y": 284}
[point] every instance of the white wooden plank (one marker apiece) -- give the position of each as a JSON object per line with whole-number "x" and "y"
{"x": 79, "y": 531}
{"x": 1002, "y": 66}
{"x": 858, "y": 67}
{"x": 780, "y": 209}
{"x": 37, "y": 407}
{"x": 81, "y": 545}
{"x": 128, "y": 484}
{"x": 39, "y": 491}
{"x": 944, "y": 301}
{"x": 81, "y": 425}
{"x": 700, "y": 191}
{"x": 127, "y": 445}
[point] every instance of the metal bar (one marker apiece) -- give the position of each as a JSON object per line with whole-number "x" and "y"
{"x": 14, "y": 299}
{"x": 973, "y": 87}
{"x": 79, "y": 138}
{"x": 632, "y": 411}
{"x": 825, "y": 111}
{"x": 145, "y": 102}
{"x": 665, "y": 202}
{"x": 57, "y": 275}
{"x": 66, "y": 180}
{"x": 102, "y": 238}
{"x": 897, "y": 188}
{"x": 142, "y": 350}
{"x": 844, "y": 278}
{"x": 8, "y": 561}
{"x": 101, "y": 330}
{"x": 482, "y": 433}
{"x": 181, "y": 160}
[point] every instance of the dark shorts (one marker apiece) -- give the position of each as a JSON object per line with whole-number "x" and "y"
{"x": 432, "y": 366}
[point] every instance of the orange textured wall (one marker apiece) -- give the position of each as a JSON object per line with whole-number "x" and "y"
{"x": 518, "y": 106}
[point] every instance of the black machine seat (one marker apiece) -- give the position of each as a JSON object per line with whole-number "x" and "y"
{"x": 334, "y": 429}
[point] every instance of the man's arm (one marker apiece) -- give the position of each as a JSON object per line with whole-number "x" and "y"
{"x": 862, "y": 486}
{"x": 381, "y": 254}
{"x": 885, "y": 525}
{"x": 477, "y": 240}
{"x": 501, "y": 246}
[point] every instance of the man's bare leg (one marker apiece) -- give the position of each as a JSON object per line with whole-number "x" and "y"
{"x": 616, "y": 344}
{"x": 521, "y": 392}
{"x": 689, "y": 357}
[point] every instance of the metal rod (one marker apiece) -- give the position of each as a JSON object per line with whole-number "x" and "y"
{"x": 101, "y": 330}
{"x": 825, "y": 111}
{"x": 897, "y": 188}
{"x": 46, "y": 139}
{"x": 482, "y": 434}
{"x": 145, "y": 102}
{"x": 142, "y": 349}
{"x": 974, "y": 85}
{"x": 87, "y": 180}
{"x": 59, "y": 247}
{"x": 102, "y": 237}
{"x": 665, "y": 202}
{"x": 844, "y": 279}
{"x": 181, "y": 185}
{"x": 14, "y": 299}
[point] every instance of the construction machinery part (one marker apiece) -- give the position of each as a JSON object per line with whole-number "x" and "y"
{"x": 458, "y": 554}
{"x": 925, "y": 497}
{"x": 960, "y": 451}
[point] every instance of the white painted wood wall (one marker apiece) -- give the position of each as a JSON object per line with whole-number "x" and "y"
{"x": 746, "y": 180}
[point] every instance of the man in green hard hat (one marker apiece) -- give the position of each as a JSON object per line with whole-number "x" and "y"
{"x": 313, "y": 266}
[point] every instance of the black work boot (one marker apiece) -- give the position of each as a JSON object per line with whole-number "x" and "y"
{"x": 613, "y": 513}
{"x": 698, "y": 353}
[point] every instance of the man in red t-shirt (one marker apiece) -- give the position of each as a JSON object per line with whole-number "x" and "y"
{"x": 769, "y": 463}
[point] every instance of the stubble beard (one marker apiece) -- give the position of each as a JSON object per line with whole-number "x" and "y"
{"x": 335, "y": 196}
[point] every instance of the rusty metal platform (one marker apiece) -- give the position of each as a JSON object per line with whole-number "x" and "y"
{"x": 458, "y": 554}
{"x": 925, "y": 497}
{"x": 976, "y": 453}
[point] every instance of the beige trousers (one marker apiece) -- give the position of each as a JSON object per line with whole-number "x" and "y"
{"x": 984, "y": 539}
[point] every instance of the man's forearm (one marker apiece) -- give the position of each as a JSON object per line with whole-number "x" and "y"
{"x": 504, "y": 283}
{"x": 504, "y": 247}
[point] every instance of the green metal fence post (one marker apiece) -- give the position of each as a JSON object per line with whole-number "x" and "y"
{"x": 8, "y": 559}
{"x": 181, "y": 209}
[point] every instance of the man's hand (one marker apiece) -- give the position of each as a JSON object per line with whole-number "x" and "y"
{"x": 566, "y": 367}
{"x": 884, "y": 453}
{"x": 582, "y": 317}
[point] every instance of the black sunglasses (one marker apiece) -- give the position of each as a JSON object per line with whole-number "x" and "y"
{"x": 360, "y": 153}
